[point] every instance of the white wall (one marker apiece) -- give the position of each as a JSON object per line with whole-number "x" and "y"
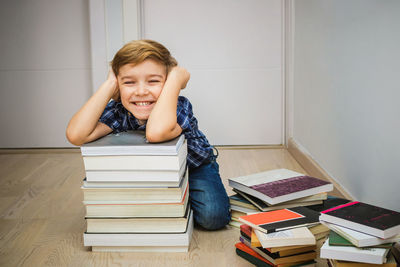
{"x": 346, "y": 93}
{"x": 44, "y": 70}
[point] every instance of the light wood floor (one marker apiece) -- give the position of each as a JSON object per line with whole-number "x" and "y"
{"x": 42, "y": 216}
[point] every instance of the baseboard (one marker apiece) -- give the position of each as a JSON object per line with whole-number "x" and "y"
{"x": 312, "y": 167}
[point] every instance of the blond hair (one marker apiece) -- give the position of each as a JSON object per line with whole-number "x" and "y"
{"x": 135, "y": 52}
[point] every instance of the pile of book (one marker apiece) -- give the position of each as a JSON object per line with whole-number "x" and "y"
{"x": 277, "y": 229}
{"x": 136, "y": 194}
{"x": 361, "y": 235}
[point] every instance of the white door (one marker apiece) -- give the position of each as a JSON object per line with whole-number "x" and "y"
{"x": 233, "y": 50}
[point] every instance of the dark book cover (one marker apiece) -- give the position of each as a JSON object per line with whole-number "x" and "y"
{"x": 252, "y": 259}
{"x": 308, "y": 217}
{"x": 289, "y": 185}
{"x": 366, "y": 214}
{"x": 331, "y": 202}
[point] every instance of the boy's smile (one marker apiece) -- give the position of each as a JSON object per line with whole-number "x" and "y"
{"x": 140, "y": 86}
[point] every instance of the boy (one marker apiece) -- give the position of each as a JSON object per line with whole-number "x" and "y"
{"x": 144, "y": 85}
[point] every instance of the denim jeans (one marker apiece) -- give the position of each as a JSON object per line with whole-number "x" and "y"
{"x": 207, "y": 195}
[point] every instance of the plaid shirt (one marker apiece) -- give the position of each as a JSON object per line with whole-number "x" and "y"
{"x": 120, "y": 120}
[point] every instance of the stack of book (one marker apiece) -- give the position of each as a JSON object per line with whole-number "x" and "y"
{"x": 277, "y": 227}
{"x": 136, "y": 194}
{"x": 361, "y": 235}
{"x": 273, "y": 190}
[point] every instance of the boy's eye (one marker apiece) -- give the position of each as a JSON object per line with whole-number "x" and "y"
{"x": 154, "y": 81}
{"x": 129, "y": 82}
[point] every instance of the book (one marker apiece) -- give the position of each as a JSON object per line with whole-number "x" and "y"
{"x": 141, "y": 239}
{"x": 366, "y": 218}
{"x": 279, "y": 220}
{"x": 330, "y": 202}
{"x": 345, "y": 253}
{"x": 123, "y": 195}
{"x": 276, "y": 259}
{"x": 304, "y": 201}
{"x": 151, "y": 178}
{"x": 279, "y": 185}
{"x": 130, "y": 143}
{"x": 138, "y": 224}
{"x": 359, "y": 239}
{"x": 240, "y": 201}
{"x": 136, "y": 163}
{"x": 101, "y": 210}
{"x": 292, "y": 237}
{"x": 153, "y": 249}
{"x": 389, "y": 263}
{"x": 319, "y": 231}
{"x": 337, "y": 240}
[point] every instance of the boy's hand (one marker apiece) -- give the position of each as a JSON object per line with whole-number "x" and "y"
{"x": 181, "y": 75}
{"x": 112, "y": 79}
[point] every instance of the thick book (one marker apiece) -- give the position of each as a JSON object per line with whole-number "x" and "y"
{"x": 345, "y": 253}
{"x": 101, "y": 210}
{"x": 136, "y": 163}
{"x": 134, "y": 178}
{"x": 138, "y": 225}
{"x": 276, "y": 259}
{"x": 141, "y": 239}
{"x": 359, "y": 239}
{"x": 124, "y": 195}
{"x": 366, "y": 218}
{"x": 304, "y": 201}
{"x": 279, "y": 220}
{"x": 240, "y": 201}
{"x": 391, "y": 262}
{"x": 337, "y": 240}
{"x": 280, "y": 185}
{"x": 130, "y": 143}
{"x": 292, "y": 237}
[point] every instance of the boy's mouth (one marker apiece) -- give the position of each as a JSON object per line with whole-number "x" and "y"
{"x": 142, "y": 103}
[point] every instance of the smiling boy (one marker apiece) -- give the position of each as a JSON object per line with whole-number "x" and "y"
{"x": 144, "y": 85}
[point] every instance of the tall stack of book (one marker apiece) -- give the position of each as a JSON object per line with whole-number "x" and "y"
{"x": 136, "y": 194}
{"x": 361, "y": 235}
{"x": 278, "y": 230}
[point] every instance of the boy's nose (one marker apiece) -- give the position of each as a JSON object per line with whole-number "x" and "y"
{"x": 141, "y": 90}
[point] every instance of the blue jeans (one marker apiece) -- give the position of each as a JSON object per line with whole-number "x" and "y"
{"x": 207, "y": 195}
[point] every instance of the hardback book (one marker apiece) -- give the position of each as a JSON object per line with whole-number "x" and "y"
{"x": 123, "y": 195}
{"x": 280, "y": 185}
{"x": 130, "y": 143}
{"x": 136, "y": 162}
{"x": 359, "y": 239}
{"x": 150, "y": 178}
{"x": 240, "y": 201}
{"x": 140, "y": 239}
{"x": 345, "y": 253}
{"x": 279, "y": 220}
{"x": 366, "y": 218}
{"x": 292, "y": 237}
{"x": 304, "y": 201}
{"x": 138, "y": 225}
{"x": 319, "y": 231}
{"x": 243, "y": 209}
{"x": 391, "y": 262}
{"x": 330, "y": 202}
{"x": 337, "y": 240}
{"x": 274, "y": 258}
{"x": 101, "y": 210}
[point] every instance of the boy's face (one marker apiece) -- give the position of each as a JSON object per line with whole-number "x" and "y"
{"x": 140, "y": 86}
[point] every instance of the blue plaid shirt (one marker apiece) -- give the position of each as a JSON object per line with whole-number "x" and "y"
{"x": 120, "y": 120}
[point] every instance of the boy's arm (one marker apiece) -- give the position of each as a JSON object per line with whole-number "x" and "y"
{"x": 162, "y": 123}
{"x": 84, "y": 125}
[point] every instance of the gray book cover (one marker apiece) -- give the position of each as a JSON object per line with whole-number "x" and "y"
{"x": 130, "y": 143}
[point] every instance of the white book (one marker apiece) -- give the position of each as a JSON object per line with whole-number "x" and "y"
{"x": 293, "y": 237}
{"x": 141, "y": 239}
{"x": 173, "y": 249}
{"x": 281, "y": 185}
{"x": 360, "y": 239}
{"x": 136, "y": 177}
{"x": 130, "y": 143}
{"x": 129, "y": 162}
{"x": 346, "y": 253}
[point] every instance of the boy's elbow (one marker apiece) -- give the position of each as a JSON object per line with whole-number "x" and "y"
{"x": 73, "y": 138}
{"x": 155, "y": 137}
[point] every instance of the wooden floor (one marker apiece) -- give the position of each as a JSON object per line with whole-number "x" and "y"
{"x": 42, "y": 215}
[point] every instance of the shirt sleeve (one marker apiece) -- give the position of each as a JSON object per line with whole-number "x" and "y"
{"x": 184, "y": 114}
{"x": 111, "y": 116}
